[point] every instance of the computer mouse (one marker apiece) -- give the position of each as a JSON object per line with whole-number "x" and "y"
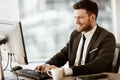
{"x": 16, "y": 68}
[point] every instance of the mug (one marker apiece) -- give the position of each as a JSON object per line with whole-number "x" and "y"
{"x": 56, "y": 73}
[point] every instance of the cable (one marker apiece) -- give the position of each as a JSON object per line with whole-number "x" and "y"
{"x": 7, "y": 63}
{"x": 10, "y": 61}
{"x": 11, "y": 66}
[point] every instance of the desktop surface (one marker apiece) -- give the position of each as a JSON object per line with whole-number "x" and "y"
{"x": 11, "y": 75}
{"x": 111, "y": 76}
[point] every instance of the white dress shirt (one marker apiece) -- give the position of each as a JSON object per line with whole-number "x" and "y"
{"x": 79, "y": 51}
{"x": 88, "y": 36}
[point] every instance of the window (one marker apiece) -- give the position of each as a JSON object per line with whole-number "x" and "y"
{"x": 47, "y": 24}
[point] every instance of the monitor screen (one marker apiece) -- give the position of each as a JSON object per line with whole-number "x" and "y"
{"x": 12, "y": 41}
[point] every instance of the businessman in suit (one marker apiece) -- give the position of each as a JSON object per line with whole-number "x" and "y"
{"x": 99, "y": 45}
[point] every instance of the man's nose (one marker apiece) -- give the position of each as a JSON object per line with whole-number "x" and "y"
{"x": 78, "y": 21}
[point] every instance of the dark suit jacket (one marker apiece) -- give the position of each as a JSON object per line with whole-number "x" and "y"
{"x": 99, "y": 57}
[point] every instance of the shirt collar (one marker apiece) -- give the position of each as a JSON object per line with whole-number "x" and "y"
{"x": 90, "y": 33}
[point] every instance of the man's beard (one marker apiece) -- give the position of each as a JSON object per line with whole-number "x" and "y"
{"x": 85, "y": 29}
{"x": 88, "y": 28}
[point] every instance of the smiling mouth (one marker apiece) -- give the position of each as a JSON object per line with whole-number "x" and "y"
{"x": 79, "y": 25}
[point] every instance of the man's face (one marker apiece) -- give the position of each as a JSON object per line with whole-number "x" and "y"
{"x": 83, "y": 21}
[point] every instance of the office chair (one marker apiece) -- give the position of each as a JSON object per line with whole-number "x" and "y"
{"x": 116, "y": 59}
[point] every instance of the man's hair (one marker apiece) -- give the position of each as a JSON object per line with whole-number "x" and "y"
{"x": 88, "y": 5}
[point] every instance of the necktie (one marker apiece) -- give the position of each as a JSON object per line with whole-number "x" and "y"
{"x": 82, "y": 49}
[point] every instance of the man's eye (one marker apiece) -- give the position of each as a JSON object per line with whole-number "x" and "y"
{"x": 75, "y": 17}
{"x": 79, "y": 17}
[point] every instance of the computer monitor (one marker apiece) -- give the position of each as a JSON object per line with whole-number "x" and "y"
{"x": 12, "y": 32}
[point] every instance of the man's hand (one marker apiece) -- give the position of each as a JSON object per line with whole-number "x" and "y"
{"x": 45, "y": 67}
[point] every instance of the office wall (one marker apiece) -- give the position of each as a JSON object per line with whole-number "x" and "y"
{"x": 9, "y": 10}
{"x": 116, "y": 19}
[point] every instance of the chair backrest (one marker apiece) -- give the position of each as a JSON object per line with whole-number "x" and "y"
{"x": 116, "y": 59}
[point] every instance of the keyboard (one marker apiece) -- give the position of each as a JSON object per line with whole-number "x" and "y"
{"x": 33, "y": 74}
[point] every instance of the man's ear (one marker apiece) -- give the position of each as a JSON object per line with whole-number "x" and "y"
{"x": 92, "y": 17}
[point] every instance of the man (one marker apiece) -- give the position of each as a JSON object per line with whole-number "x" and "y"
{"x": 99, "y": 46}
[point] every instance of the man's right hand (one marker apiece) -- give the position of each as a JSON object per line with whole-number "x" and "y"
{"x": 45, "y": 67}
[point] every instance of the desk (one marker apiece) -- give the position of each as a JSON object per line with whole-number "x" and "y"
{"x": 8, "y": 75}
{"x": 112, "y": 76}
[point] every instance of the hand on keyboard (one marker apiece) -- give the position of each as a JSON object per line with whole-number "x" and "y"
{"x": 38, "y": 75}
{"x": 45, "y": 67}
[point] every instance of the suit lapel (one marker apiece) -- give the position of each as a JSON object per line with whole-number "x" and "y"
{"x": 75, "y": 46}
{"x": 77, "y": 39}
{"x": 95, "y": 35}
